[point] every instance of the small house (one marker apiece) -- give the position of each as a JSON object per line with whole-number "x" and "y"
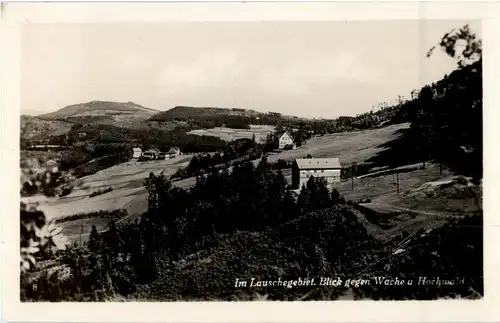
{"x": 304, "y": 168}
{"x": 173, "y": 151}
{"x": 151, "y": 153}
{"x": 285, "y": 140}
{"x": 136, "y": 153}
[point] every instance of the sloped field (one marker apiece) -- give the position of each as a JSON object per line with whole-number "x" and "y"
{"x": 355, "y": 146}
{"x": 128, "y": 192}
{"x": 228, "y": 134}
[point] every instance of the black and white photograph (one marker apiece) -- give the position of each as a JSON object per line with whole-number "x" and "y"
{"x": 239, "y": 161}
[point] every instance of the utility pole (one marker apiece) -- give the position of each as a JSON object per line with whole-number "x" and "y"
{"x": 397, "y": 181}
{"x": 81, "y": 232}
{"x": 352, "y": 176}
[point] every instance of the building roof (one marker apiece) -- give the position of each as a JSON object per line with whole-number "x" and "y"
{"x": 318, "y": 163}
{"x": 281, "y": 133}
{"x": 173, "y": 150}
{"x": 136, "y": 149}
{"x": 153, "y": 150}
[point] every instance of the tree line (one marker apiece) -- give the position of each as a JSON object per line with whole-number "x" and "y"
{"x": 180, "y": 222}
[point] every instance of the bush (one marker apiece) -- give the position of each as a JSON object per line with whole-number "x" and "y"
{"x": 282, "y": 164}
{"x": 101, "y": 192}
{"x": 115, "y": 214}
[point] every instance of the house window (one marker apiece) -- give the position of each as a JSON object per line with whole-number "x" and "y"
{"x": 322, "y": 170}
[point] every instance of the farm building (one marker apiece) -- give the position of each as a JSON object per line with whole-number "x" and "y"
{"x": 174, "y": 151}
{"x": 285, "y": 139}
{"x": 136, "y": 152}
{"x": 151, "y": 153}
{"x": 328, "y": 168}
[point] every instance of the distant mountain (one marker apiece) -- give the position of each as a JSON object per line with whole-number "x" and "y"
{"x": 98, "y": 108}
{"x": 186, "y": 112}
{"x": 127, "y": 114}
{"x": 35, "y": 128}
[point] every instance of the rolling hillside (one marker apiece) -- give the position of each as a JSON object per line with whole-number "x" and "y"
{"x": 34, "y": 127}
{"x": 351, "y": 146}
{"x": 126, "y": 114}
{"x": 228, "y": 134}
{"x": 184, "y": 112}
{"x": 127, "y": 178}
{"x": 96, "y": 108}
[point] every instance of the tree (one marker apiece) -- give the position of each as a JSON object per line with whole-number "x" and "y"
{"x": 263, "y": 167}
{"x": 456, "y": 120}
{"x": 336, "y": 198}
{"x": 289, "y": 207}
{"x": 94, "y": 243}
{"x": 469, "y": 46}
{"x": 38, "y": 235}
{"x": 303, "y": 200}
{"x": 320, "y": 197}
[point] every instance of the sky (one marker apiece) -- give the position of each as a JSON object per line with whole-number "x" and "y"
{"x": 308, "y": 69}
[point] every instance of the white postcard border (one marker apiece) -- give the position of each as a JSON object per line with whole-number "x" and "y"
{"x": 14, "y": 14}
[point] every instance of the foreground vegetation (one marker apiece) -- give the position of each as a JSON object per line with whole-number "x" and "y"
{"x": 193, "y": 240}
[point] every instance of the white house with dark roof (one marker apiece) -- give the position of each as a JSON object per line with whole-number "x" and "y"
{"x": 284, "y": 140}
{"x": 136, "y": 152}
{"x": 304, "y": 168}
{"x": 173, "y": 151}
{"x": 151, "y": 153}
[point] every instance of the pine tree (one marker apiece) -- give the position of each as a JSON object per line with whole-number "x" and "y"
{"x": 96, "y": 263}
{"x": 336, "y": 198}
{"x": 263, "y": 167}
{"x": 112, "y": 239}
{"x": 136, "y": 254}
{"x": 289, "y": 207}
{"x": 322, "y": 195}
{"x": 303, "y": 200}
{"x": 94, "y": 243}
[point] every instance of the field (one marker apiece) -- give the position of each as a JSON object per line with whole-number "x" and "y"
{"x": 35, "y": 128}
{"x": 229, "y": 134}
{"x": 425, "y": 199}
{"x": 355, "y": 146}
{"x": 129, "y": 194}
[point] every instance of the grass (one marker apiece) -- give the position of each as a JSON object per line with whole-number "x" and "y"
{"x": 229, "y": 134}
{"x": 78, "y": 226}
{"x": 355, "y": 146}
{"x": 385, "y": 185}
{"x": 419, "y": 204}
{"x": 128, "y": 191}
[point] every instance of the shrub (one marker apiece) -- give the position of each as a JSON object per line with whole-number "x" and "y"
{"x": 115, "y": 214}
{"x": 101, "y": 192}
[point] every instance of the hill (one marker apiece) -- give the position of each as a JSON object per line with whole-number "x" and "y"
{"x": 120, "y": 114}
{"x": 186, "y": 112}
{"x": 34, "y": 127}
{"x": 97, "y": 108}
{"x": 259, "y": 132}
